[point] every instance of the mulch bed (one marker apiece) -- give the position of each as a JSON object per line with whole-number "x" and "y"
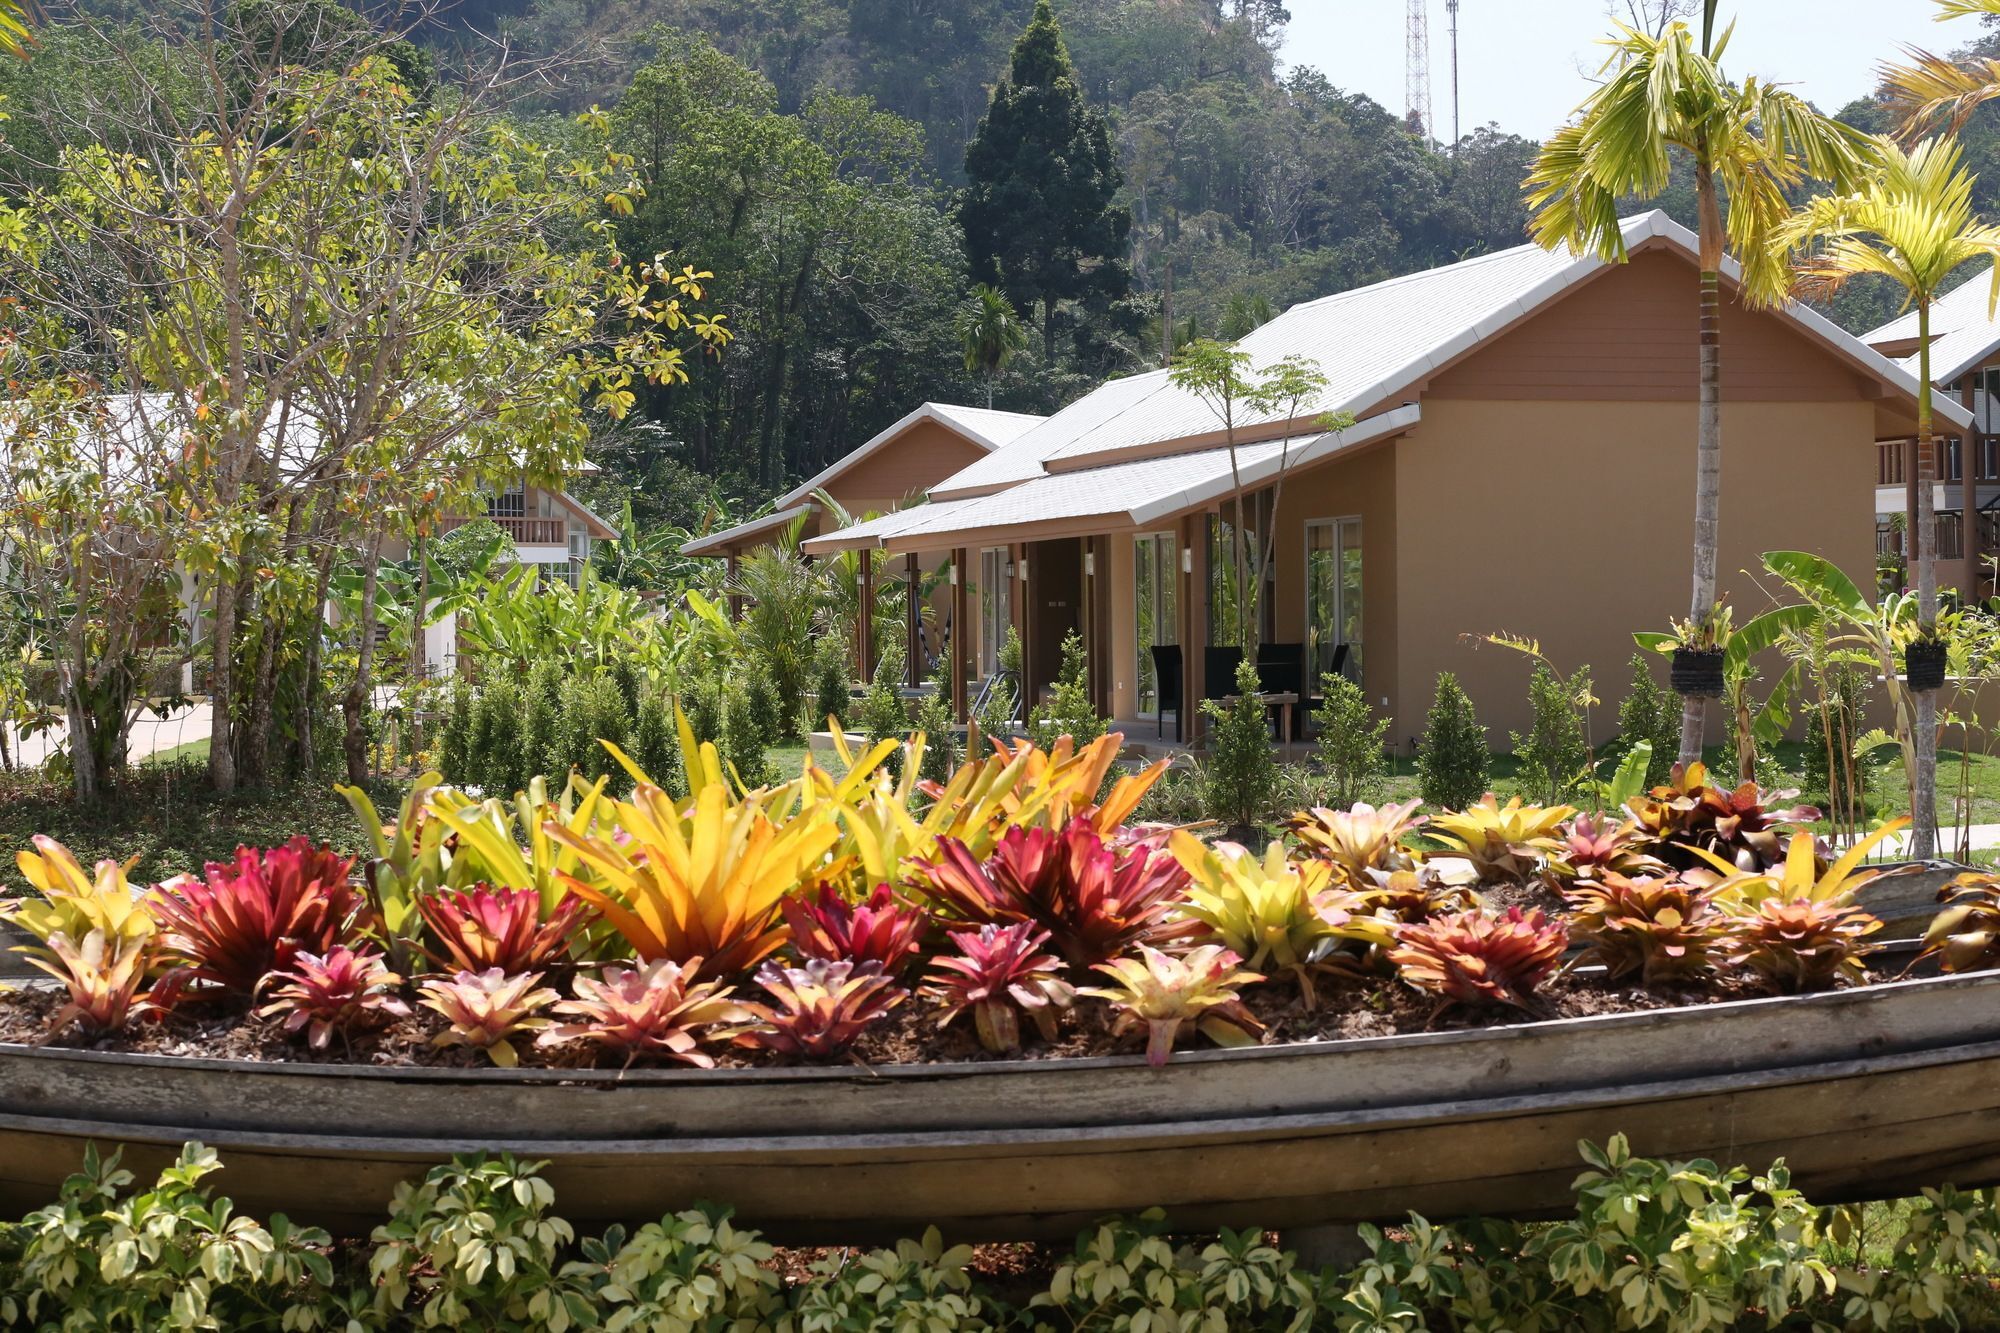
{"x": 1347, "y": 1007}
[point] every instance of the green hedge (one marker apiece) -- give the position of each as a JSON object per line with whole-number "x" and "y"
{"x": 478, "y": 1244}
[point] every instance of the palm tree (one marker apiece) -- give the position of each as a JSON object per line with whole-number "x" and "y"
{"x": 1664, "y": 94}
{"x": 992, "y": 332}
{"x": 1912, "y": 221}
{"x": 1933, "y": 89}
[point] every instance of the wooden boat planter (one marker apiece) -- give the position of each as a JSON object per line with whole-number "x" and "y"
{"x": 1867, "y": 1092}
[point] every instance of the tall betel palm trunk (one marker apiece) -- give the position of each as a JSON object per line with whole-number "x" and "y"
{"x": 1708, "y": 444}
{"x": 1923, "y": 550}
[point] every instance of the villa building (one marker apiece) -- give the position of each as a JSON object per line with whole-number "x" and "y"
{"x": 1965, "y": 367}
{"x": 1521, "y": 459}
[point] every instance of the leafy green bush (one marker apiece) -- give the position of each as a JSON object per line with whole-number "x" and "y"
{"x": 656, "y": 745}
{"x": 1069, "y": 711}
{"x": 1178, "y": 797}
{"x": 543, "y": 747}
{"x": 456, "y": 736}
{"x": 1451, "y": 763}
{"x": 474, "y": 1246}
{"x": 1684, "y": 1246}
{"x": 172, "y": 1256}
{"x": 763, "y": 709}
{"x": 1649, "y": 713}
{"x": 1554, "y": 755}
{"x": 745, "y": 729}
{"x": 997, "y": 718}
{"x": 496, "y": 762}
{"x": 1352, "y": 746}
{"x": 830, "y": 693}
{"x": 883, "y": 715}
{"x": 1242, "y": 777}
{"x": 942, "y": 751}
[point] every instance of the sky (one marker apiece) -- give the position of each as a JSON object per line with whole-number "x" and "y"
{"x": 1524, "y": 63}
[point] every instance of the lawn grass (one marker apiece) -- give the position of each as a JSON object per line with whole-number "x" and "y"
{"x": 165, "y": 815}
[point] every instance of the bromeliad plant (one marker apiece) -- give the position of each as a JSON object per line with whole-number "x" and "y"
{"x": 1802, "y": 944}
{"x": 103, "y": 974}
{"x": 649, "y": 1011}
{"x": 1664, "y": 927}
{"x": 1361, "y": 839}
{"x": 1276, "y": 913}
{"x": 341, "y": 992}
{"x": 703, "y": 882}
{"x": 998, "y": 974}
{"x": 1688, "y": 822}
{"x": 241, "y": 922}
{"x": 1503, "y": 842}
{"x": 1965, "y": 936}
{"x": 1161, "y": 993}
{"x": 1094, "y": 901}
{"x": 73, "y": 902}
{"x": 472, "y": 930}
{"x": 1481, "y": 957}
{"x": 820, "y": 1009}
{"x": 882, "y": 929}
{"x": 1594, "y": 846}
{"x": 487, "y": 1010}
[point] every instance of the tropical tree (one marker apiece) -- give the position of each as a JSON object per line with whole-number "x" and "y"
{"x": 1936, "y": 90}
{"x": 1665, "y": 94}
{"x": 992, "y": 332}
{"x": 1912, "y": 221}
{"x": 1040, "y": 210}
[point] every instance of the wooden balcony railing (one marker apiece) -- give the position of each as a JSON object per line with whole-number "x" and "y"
{"x": 523, "y": 531}
{"x": 1891, "y": 459}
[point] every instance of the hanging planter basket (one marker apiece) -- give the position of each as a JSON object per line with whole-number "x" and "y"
{"x": 1696, "y": 673}
{"x": 1924, "y": 665}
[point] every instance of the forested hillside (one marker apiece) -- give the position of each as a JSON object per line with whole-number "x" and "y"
{"x": 811, "y": 154}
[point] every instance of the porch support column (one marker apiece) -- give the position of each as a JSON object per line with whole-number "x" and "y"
{"x": 864, "y": 617}
{"x": 1192, "y": 615}
{"x": 913, "y": 621}
{"x": 730, "y": 586}
{"x": 1968, "y": 488}
{"x": 960, "y": 636}
{"x": 1023, "y": 623}
{"x": 1101, "y": 601}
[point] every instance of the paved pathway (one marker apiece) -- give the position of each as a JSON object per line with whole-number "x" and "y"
{"x": 150, "y": 734}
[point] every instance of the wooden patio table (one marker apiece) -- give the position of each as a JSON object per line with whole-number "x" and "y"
{"x": 1282, "y": 700}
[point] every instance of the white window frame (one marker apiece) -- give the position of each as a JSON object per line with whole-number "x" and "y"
{"x": 1166, "y": 561}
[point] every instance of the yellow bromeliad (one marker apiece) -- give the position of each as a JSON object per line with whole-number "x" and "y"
{"x": 1502, "y": 841}
{"x": 74, "y": 902}
{"x": 1273, "y": 912}
{"x": 1798, "y": 877}
{"x": 702, "y": 881}
{"x": 1018, "y": 786}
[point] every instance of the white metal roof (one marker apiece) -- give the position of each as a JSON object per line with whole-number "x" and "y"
{"x": 1374, "y": 343}
{"x": 1964, "y": 330}
{"x": 1021, "y": 459}
{"x": 715, "y": 541}
{"x": 988, "y": 429}
{"x": 1137, "y": 493}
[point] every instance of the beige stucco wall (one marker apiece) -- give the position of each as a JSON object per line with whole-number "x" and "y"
{"x": 1570, "y": 522}
{"x": 913, "y": 462}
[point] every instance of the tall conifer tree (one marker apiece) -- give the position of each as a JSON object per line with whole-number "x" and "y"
{"x": 1041, "y": 176}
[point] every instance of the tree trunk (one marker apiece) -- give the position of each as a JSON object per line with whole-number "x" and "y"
{"x": 354, "y": 703}
{"x": 1048, "y": 332}
{"x": 419, "y": 549}
{"x": 221, "y": 683}
{"x": 1923, "y": 547}
{"x": 257, "y": 729}
{"x": 1708, "y": 446}
{"x": 309, "y": 682}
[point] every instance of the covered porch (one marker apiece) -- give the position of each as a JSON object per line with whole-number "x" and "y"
{"x": 1136, "y": 560}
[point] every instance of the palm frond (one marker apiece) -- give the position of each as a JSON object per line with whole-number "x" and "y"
{"x": 1931, "y": 92}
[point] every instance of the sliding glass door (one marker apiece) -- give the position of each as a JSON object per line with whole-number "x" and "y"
{"x": 1333, "y": 597}
{"x": 996, "y": 605}
{"x": 1155, "y": 577}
